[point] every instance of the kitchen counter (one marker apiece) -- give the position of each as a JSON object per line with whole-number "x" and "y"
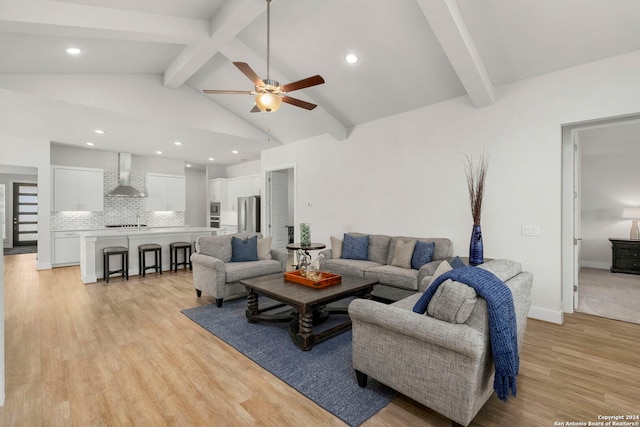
{"x": 92, "y": 243}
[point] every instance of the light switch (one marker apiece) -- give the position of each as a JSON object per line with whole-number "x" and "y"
{"x": 530, "y": 230}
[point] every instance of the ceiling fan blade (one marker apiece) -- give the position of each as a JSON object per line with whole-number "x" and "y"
{"x": 298, "y": 103}
{"x": 248, "y": 71}
{"x": 301, "y": 84}
{"x": 236, "y": 92}
{"x": 255, "y": 109}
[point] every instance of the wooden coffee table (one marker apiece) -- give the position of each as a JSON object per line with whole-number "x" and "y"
{"x": 309, "y": 304}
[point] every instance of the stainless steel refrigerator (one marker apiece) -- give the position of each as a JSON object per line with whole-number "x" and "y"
{"x": 248, "y": 214}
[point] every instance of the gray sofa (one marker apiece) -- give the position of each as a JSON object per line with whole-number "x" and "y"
{"x": 395, "y": 282}
{"x": 446, "y": 365}
{"x": 215, "y": 274}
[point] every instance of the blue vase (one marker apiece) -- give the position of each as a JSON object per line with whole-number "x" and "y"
{"x": 476, "y": 252}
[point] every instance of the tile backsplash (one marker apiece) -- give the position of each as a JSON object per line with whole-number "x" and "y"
{"x": 117, "y": 210}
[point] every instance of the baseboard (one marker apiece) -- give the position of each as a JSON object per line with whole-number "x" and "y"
{"x": 595, "y": 264}
{"x": 89, "y": 278}
{"x": 546, "y": 315}
{"x": 44, "y": 266}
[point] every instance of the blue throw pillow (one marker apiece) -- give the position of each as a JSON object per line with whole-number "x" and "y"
{"x": 355, "y": 247}
{"x": 422, "y": 254}
{"x": 244, "y": 250}
{"x": 456, "y": 263}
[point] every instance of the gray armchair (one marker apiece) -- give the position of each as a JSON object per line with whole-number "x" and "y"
{"x": 444, "y": 365}
{"x": 215, "y": 274}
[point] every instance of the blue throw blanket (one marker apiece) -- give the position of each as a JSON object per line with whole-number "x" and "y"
{"x": 502, "y": 321}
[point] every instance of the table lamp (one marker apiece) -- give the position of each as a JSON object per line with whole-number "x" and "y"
{"x": 633, "y": 214}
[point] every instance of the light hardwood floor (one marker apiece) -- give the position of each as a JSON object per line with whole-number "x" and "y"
{"x": 122, "y": 354}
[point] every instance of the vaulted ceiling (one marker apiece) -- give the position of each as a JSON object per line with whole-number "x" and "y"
{"x": 144, "y": 64}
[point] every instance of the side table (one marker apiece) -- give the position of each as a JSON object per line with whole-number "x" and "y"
{"x": 625, "y": 256}
{"x": 305, "y": 249}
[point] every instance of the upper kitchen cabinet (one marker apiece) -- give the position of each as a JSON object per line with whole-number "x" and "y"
{"x": 241, "y": 187}
{"x": 165, "y": 193}
{"x": 218, "y": 189}
{"x": 77, "y": 189}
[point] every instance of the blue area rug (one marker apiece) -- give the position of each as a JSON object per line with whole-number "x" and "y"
{"x": 324, "y": 374}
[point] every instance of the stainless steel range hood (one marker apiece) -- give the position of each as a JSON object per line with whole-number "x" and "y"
{"x": 124, "y": 188}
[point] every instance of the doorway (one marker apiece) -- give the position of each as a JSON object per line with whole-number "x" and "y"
{"x": 591, "y": 203}
{"x": 25, "y": 214}
{"x": 280, "y": 202}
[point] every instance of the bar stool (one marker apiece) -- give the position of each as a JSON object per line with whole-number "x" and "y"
{"x": 115, "y": 250}
{"x": 174, "y": 249}
{"x": 142, "y": 261}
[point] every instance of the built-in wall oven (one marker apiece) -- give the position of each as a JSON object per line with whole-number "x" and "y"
{"x": 214, "y": 213}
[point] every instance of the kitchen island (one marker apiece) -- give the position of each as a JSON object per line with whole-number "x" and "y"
{"x": 93, "y": 242}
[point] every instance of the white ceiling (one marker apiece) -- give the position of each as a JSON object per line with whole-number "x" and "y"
{"x": 145, "y": 62}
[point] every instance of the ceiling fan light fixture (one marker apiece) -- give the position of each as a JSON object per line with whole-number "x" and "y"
{"x": 268, "y": 102}
{"x": 269, "y": 95}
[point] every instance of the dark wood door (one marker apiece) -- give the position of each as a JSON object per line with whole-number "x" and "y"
{"x": 25, "y": 214}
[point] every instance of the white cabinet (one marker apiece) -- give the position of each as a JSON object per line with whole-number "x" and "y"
{"x": 165, "y": 193}
{"x": 78, "y": 189}
{"x": 238, "y": 187}
{"x": 250, "y": 185}
{"x": 66, "y": 248}
{"x": 219, "y": 191}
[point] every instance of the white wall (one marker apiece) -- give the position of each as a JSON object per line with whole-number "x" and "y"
{"x": 197, "y": 198}
{"x": 36, "y": 156}
{"x": 2, "y": 375}
{"x": 108, "y": 160}
{"x": 243, "y": 169}
{"x": 404, "y": 175}
{"x": 35, "y": 153}
{"x": 609, "y": 184}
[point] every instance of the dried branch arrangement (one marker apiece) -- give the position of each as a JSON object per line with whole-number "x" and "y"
{"x": 476, "y": 175}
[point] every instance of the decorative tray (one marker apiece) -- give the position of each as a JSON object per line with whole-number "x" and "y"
{"x": 325, "y": 279}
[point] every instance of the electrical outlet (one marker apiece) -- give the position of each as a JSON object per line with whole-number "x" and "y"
{"x": 530, "y": 230}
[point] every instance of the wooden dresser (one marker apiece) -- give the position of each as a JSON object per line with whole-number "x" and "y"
{"x": 625, "y": 256}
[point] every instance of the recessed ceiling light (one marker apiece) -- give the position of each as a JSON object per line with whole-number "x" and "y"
{"x": 351, "y": 58}
{"x": 235, "y": 151}
{"x": 89, "y": 143}
{"x": 99, "y": 131}
{"x": 211, "y": 158}
{"x": 74, "y": 50}
{"x": 158, "y": 152}
{"x": 188, "y": 165}
{"x": 178, "y": 143}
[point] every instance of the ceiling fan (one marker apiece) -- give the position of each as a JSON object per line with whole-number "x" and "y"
{"x": 269, "y": 94}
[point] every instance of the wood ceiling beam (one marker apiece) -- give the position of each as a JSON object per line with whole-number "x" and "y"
{"x": 446, "y": 22}
{"x": 61, "y": 18}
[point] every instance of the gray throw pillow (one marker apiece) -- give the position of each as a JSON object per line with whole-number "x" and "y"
{"x": 443, "y": 267}
{"x": 215, "y": 246}
{"x": 264, "y": 248}
{"x": 379, "y": 248}
{"x": 404, "y": 252}
{"x": 336, "y": 247}
{"x": 452, "y": 302}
